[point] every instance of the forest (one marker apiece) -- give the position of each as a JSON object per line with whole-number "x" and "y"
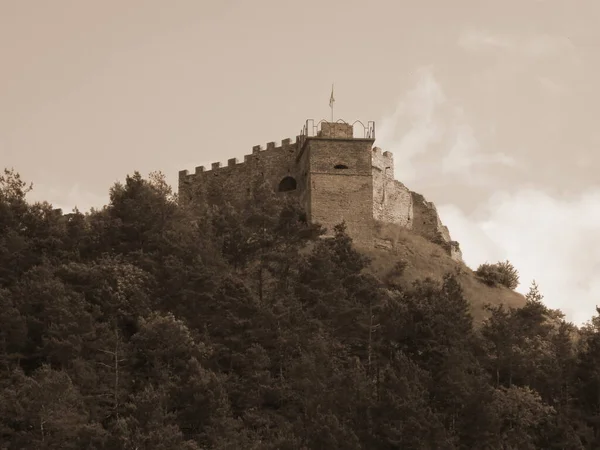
{"x": 148, "y": 324}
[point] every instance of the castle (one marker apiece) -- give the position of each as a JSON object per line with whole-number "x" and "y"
{"x": 337, "y": 176}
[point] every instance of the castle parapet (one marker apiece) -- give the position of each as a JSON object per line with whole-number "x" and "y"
{"x": 234, "y": 163}
{"x": 383, "y": 162}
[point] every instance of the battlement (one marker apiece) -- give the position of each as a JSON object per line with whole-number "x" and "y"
{"x": 378, "y": 152}
{"x": 383, "y": 161}
{"x": 323, "y": 129}
{"x": 285, "y": 145}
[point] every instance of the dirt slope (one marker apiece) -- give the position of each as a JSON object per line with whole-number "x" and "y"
{"x": 426, "y": 259}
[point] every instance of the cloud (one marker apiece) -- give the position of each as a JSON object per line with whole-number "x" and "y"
{"x": 544, "y": 45}
{"x": 550, "y": 240}
{"x": 425, "y": 123}
{"x": 418, "y": 109}
{"x": 464, "y": 153}
{"x": 551, "y": 86}
{"x": 552, "y": 63}
{"x": 476, "y": 40}
{"x": 68, "y": 199}
{"x": 532, "y": 45}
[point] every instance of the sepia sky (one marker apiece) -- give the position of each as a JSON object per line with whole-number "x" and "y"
{"x": 490, "y": 107}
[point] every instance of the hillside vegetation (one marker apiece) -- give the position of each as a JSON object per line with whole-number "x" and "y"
{"x": 424, "y": 259}
{"x": 150, "y": 325}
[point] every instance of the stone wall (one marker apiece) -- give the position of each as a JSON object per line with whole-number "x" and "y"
{"x": 236, "y": 178}
{"x": 392, "y": 201}
{"x": 426, "y": 220}
{"x": 337, "y": 130}
{"x": 428, "y": 224}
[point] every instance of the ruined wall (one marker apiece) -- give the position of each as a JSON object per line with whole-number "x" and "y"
{"x": 426, "y": 220}
{"x": 392, "y": 201}
{"x": 427, "y": 223}
{"x": 341, "y": 184}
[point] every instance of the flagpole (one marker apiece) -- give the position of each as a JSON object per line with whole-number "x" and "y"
{"x": 331, "y": 102}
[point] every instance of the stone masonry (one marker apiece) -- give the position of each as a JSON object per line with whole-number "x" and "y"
{"x": 337, "y": 177}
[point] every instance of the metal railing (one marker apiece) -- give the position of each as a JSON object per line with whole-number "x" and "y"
{"x": 361, "y": 131}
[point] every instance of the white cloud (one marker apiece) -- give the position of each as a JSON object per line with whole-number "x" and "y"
{"x": 546, "y": 239}
{"x": 418, "y": 108}
{"x": 68, "y": 200}
{"x": 434, "y": 125}
{"x": 551, "y": 86}
{"x": 476, "y": 40}
{"x": 532, "y": 45}
{"x": 464, "y": 153}
{"x": 544, "y": 45}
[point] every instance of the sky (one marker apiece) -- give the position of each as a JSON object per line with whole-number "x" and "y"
{"x": 490, "y": 107}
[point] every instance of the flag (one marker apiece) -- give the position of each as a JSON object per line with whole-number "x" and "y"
{"x": 331, "y": 99}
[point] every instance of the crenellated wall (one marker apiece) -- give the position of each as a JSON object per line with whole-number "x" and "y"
{"x": 336, "y": 177}
{"x": 236, "y": 178}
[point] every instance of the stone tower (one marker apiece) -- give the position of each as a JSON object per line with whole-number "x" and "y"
{"x": 339, "y": 180}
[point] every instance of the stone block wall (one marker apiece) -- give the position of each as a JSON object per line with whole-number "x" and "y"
{"x": 427, "y": 223}
{"x": 341, "y": 183}
{"x": 426, "y": 219}
{"x": 237, "y": 178}
{"x": 350, "y": 200}
{"x": 392, "y": 201}
{"x": 337, "y": 130}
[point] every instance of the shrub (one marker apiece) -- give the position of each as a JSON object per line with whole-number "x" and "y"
{"x": 501, "y": 273}
{"x": 392, "y": 276}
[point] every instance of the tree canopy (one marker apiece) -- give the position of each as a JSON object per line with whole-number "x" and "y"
{"x": 147, "y": 324}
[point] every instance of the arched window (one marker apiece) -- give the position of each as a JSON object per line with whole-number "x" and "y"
{"x": 340, "y": 166}
{"x": 287, "y": 184}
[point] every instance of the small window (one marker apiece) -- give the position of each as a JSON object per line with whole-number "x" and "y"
{"x": 287, "y": 184}
{"x": 340, "y": 166}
